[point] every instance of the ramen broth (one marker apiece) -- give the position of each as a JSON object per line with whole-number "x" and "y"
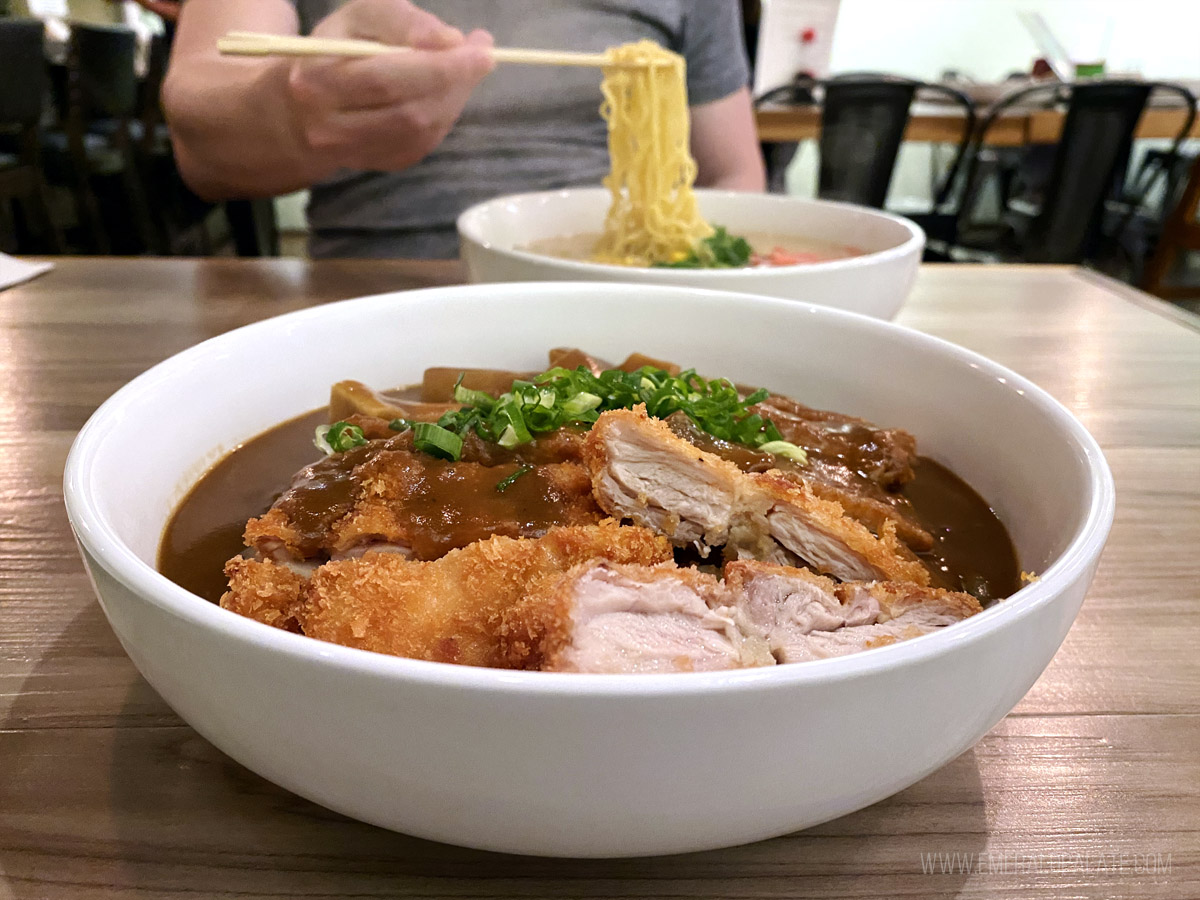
{"x": 809, "y": 250}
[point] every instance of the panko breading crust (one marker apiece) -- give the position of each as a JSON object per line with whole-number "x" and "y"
{"x": 448, "y": 610}
{"x": 264, "y": 591}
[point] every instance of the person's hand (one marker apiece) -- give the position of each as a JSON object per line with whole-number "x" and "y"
{"x": 386, "y": 112}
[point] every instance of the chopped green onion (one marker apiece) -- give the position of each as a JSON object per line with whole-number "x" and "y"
{"x": 468, "y": 397}
{"x": 581, "y": 403}
{"x": 508, "y": 438}
{"x": 399, "y": 424}
{"x": 505, "y": 483}
{"x": 720, "y": 250}
{"x": 338, "y": 437}
{"x": 787, "y": 449}
{"x": 320, "y": 441}
{"x": 520, "y": 434}
{"x": 437, "y": 441}
{"x": 564, "y": 397}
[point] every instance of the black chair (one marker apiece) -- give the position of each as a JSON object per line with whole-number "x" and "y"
{"x": 179, "y": 216}
{"x": 253, "y": 226}
{"x": 23, "y": 90}
{"x": 1065, "y": 210}
{"x": 93, "y": 151}
{"x": 1180, "y": 235}
{"x": 150, "y": 125}
{"x": 778, "y": 155}
{"x": 1134, "y": 223}
{"x": 863, "y": 119}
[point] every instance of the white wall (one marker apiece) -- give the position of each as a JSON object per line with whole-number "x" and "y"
{"x": 289, "y": 211}
{"x": 984, "y": 39}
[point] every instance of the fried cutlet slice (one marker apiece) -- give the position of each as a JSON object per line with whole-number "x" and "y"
{"x": 432, "y": 506}
{"x": 644, "y": 472}
{"x": 449, "y": 610}
{"x": 803, "y": 616}
{"x": 781, "y": 520}
{"x": 298, "y": 524}
{"x": 829, "y": 478}
{"x": 883, "y": 455}
{"x": 387, "y": 495}
{"x": 606, "y": 617}
{"x": 263, "y": 590}
{"x": 864, "y": 501}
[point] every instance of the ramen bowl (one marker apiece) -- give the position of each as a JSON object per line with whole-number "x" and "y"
{"x": 496, "y": 237}
{"x": 568, "y": 764}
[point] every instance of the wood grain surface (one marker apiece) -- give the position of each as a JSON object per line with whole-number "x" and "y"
{"x": 940, "y": 124}
{"x": 1089, "y": 789}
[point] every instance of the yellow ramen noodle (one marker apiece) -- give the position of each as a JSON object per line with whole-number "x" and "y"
{"x": 653, "y": 216}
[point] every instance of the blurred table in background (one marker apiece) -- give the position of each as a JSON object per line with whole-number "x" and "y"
{"x": 937, "y": 124}
{"x": 1089, "y": 788}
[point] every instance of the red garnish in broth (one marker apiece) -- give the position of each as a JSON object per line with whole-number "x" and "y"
{"x": 780, "y": 256}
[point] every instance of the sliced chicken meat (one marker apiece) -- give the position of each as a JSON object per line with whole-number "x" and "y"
{"x": 828, "y": 476}
{"x": 644, "y": 472}
{"x": 784, "y": 521}
{"x": 803, "y": 616}
{"x": 604, "y": 617}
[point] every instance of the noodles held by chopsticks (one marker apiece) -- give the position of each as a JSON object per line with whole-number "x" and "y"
{"x": 653, "y": 217}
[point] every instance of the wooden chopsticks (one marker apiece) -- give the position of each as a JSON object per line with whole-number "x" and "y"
{"x": 249, "y": 43}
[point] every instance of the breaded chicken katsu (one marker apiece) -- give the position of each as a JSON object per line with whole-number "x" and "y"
{"x": 855, "y": 465}
{"x": 802, "y": 615}
{"x": 563, "y": 526}
{"x": 642, "y": 471}
{"x": 602, "y": 617}
{"x": 385, "y": 494}
{"x": 447, "y": 610}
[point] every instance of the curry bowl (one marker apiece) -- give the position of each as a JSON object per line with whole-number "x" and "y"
{"x": 563, "y": 764}
{"x": 500, "y": 240}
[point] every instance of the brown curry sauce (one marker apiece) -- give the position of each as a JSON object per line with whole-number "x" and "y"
{"x": 972, "y": 550}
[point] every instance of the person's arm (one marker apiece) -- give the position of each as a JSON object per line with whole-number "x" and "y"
{"x": 166, "y": 9}
{"x": 724, "y": 137}
{"x": 725, "y": 144}
{"x": 250, "y": 127}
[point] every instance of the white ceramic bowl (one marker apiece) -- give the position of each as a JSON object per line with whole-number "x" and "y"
{"x": 875, "y": 283}
{"x": 586, "y": 765}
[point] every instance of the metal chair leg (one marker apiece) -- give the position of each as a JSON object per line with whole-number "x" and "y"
{"x": 50, "y": 228}
{"x": 87, "y": 206}
{"x": 139, "y": 209}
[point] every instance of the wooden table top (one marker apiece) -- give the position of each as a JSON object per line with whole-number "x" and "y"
{"x": 941, "y": 124}
{"x": 1090, "y": 788}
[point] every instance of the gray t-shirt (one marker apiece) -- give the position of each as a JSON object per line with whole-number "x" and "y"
{"x": 525, "y": 128}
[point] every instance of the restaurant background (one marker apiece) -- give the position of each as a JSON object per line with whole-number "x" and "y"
{"x": 981, "y": 39}
{"x": 985, "y": 41}
{"x": 980, "y": 46}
